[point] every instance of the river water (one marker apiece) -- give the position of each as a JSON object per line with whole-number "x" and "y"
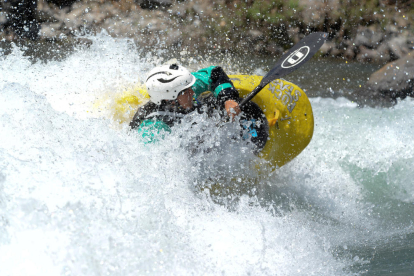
{"x": 81, "y": 195}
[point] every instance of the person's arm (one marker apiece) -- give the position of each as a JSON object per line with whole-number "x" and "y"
{"x": 152, "y": 130}
{"x": 214, "y": 79}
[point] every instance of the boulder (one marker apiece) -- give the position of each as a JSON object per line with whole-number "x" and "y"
{"x": 327, "y": 47}
{"x": 368, "y": 55}
{"x": 384, "y": 52}
{"x": 255, "y": 34}
{"x": 398, "y": 47}
{"x": 368, "y": 37}
{"x": 203, "y": 9}
{"x": 394, "y": 80}
{"x": 315, "y": 12}
{"x": 349, "y": 53}
{"x": 273, "y": 48}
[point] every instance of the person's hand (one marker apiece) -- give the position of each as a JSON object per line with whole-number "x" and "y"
{"x": 232, "y": 108}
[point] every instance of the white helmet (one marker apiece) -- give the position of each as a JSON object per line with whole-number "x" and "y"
{"x": 167, "y": 81}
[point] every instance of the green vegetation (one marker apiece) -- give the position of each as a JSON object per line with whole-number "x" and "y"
{"x": 265, "y": 16}
{"x": 278, "y": 19}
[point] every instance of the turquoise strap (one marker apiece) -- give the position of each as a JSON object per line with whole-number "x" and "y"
{"x": 221, "y": 87}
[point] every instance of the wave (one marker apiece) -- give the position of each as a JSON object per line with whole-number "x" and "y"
{"x": 81, "y": 194}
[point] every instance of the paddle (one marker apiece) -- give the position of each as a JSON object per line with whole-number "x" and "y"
{"x": 290, "y": 61}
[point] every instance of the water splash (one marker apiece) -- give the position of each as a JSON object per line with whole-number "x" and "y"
{"x": 80, "y": 197}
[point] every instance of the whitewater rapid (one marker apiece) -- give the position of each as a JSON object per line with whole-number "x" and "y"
{"x": 82, "y": 195}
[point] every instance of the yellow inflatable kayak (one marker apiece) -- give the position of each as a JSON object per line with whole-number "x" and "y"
{"x": 286, "y": 106}
{"x": 289, "y": 113}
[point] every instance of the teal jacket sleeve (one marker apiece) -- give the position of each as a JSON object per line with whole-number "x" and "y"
{"x": 214, "y": 79}
{"x": 153, "y": 131}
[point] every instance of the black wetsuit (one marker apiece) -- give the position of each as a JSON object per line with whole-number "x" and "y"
{"x": 152, "y": 117}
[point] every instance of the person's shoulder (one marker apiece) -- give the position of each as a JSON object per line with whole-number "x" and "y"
{"x": 206, "y": 69}
{"x": 141, "y": 113}
{"x": 148, "y": 105}
{"x": 147, "y": 108}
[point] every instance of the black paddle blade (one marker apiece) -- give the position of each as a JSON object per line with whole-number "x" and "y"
{"x": 290, "y": 61}
{"x": 296, "y": 56}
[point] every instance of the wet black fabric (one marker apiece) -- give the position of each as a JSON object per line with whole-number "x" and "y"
{"x": 252, "y": 112}
{"x": 218, "y": 77}
{"x": 208, "y": 103}
{"x": 145, "y": 111}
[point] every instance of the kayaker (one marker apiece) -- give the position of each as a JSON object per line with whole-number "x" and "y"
{"x": 175, "y": 92}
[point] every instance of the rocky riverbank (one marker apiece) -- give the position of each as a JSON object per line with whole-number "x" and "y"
{"x": 368, "y": 31}
{"x": 378, "y": 31}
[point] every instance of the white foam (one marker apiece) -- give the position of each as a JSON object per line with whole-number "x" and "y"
{"x": 79, "y": 197}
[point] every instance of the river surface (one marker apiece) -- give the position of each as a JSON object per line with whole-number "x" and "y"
{"x": 81, "y": 195}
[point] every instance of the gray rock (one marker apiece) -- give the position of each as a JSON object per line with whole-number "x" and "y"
{"x": 391, "y": 29}
{"x": 203, "y": 9}
{"x": 50, "y": 30}
{"x": 314, "y": 12}
{"x": 294, "y": 34}
{"x": 350, "y": 52}
{"x": 368, "y": 37}
{"x": 398, "y": 47}
{"x": 394, "y": 80}
{"x": 3, "y": 18}
{"x": 368, "y": 55}
{"x": 330, "y": 49}
{"x": 45, "y": 13}
{"x": 179, "y": 9}
{"x": 255, "y": 34}
{"x": 410, "y": 43}
{"x": 335, "y": 52}
{"x": 327, "y": 48}
{"x": 274, "y": 49}
{"x": 384, "y": 52}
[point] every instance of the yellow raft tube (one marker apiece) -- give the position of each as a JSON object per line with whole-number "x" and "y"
{"x": 286, "y": 106}
{"x": 289, "y": 113}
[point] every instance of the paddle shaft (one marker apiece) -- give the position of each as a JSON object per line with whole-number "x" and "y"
{"x": 290, "y": 61}
{"x": 252, "y": 94}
